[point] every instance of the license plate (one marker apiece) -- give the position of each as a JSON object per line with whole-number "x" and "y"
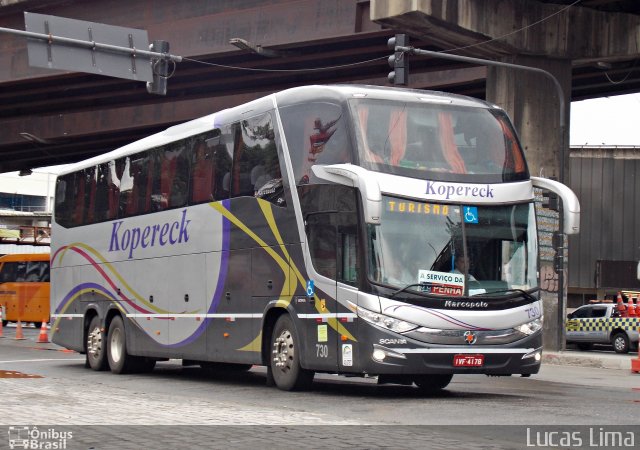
{"x": 468, "y": 360}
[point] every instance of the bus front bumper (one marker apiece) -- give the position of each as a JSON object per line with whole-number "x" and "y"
{"x": 522, "y": 357}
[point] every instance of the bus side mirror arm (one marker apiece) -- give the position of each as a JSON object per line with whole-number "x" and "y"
{"x": 570, "y": 203}
{"x": 355, "y": 176}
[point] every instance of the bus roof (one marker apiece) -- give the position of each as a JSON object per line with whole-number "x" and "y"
{"x": 20, "y": 257}
{"x": 283, "y": 98}
{"x": 347, "y": 91}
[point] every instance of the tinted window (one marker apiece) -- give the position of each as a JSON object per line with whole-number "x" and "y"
{"x": 316, "y": 133}
{"x": 581, "y": 313}
{"x": 331, "y": 221}
{"x": 256, "y": 168}
{"x": 210, "y": 161}
{"x": 435, "y": 141}
{"x": 187, "y": 171}
{"x": 29, "y": 271}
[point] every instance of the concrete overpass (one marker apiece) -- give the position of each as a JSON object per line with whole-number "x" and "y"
{"x": 49, "y": 117}
{"x": 591, "y": 46}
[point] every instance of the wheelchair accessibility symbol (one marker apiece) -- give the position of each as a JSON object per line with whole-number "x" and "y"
{"x": 470, "y": 214}
{"x": 310, "y": 288}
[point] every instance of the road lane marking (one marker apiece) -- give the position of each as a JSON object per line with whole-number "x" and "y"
{"x": 41, "y": 360}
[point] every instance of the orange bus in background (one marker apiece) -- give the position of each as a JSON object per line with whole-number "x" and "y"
{"x": 24, "y": 288}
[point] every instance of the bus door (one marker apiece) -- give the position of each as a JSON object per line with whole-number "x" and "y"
{"x": 347, "y": 292}
{"x": 8, "y": 293}
{"x": 35, "y": 292}
{"x": 323, "y": 337}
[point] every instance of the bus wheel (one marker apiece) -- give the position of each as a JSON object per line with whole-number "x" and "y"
{"x": 119, "y": 360}
{"x": 432, "y": 383}
{"x": 287, "y": 373}
{"x": 96, "y": 346}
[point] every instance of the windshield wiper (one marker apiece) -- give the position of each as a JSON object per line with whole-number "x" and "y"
{"x": 524, "y": 293}
{"x": 413, "y": 285}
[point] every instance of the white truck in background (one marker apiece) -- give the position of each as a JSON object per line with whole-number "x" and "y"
{"x": 605, "y": 323}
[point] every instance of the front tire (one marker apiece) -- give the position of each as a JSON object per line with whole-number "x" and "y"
{"x": 620, "y": 342}
{"x": 284, "y": 362}
{"x": 96, "y": 356}
{"x": 430, "y": 384}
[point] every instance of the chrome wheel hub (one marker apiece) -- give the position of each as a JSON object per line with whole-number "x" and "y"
{"x": 283, "y": 351}
{"x": 94, "y": 342}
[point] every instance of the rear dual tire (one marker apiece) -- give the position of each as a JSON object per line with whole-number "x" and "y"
{"x": 96, "y": 344}
{"x": 120, "y": 361}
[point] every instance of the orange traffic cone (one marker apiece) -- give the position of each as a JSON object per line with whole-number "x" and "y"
{"x": 43, "y": 338}
{"x": 19, "y": 335}
{"x": 622, "y": 309}
{"x": 631, "y": 309}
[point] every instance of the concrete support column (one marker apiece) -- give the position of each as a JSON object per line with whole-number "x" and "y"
{"x": 532, "y": 102}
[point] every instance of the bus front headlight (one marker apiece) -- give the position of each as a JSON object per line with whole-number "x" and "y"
{"x": 386, "y": 322}
{"x": 530, "y": 327}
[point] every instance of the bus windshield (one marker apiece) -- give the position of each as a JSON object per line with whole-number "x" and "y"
{"x": 437, "y": 141}
{"x": 453, "y": 250}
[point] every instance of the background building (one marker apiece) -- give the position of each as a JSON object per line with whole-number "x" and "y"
{"x": 26, "y": 202}
{"x": 604, "y": 256}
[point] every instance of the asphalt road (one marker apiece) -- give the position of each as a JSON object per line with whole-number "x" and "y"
{"x": 177, "y": 406}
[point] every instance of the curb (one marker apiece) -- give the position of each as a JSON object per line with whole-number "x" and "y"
{"x": 582, "y": 360}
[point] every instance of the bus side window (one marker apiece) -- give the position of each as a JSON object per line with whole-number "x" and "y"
{"x": 210, "y": 162}
{"x": 116, "y": 169}
{"x": 140, "y": 174}
{"x": 256, "y": 168}
{"x": 348, "y": 267}
{"x": 64, "y": 198}
{"x": 242, "y": 164}
{"x": 180, "y": 181}
{"x": 80, "y": 196}
{"x": 203, "y": 172}
{"x": 222, "y": 161}
{"x": 21, "y": 271}
{"x": 321, "y": 233}
{"x": 101, "y": 202}
{"x": 315, "y": 134}
{"x": 8, "y": 273}
{"x": 37, "y": 271}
